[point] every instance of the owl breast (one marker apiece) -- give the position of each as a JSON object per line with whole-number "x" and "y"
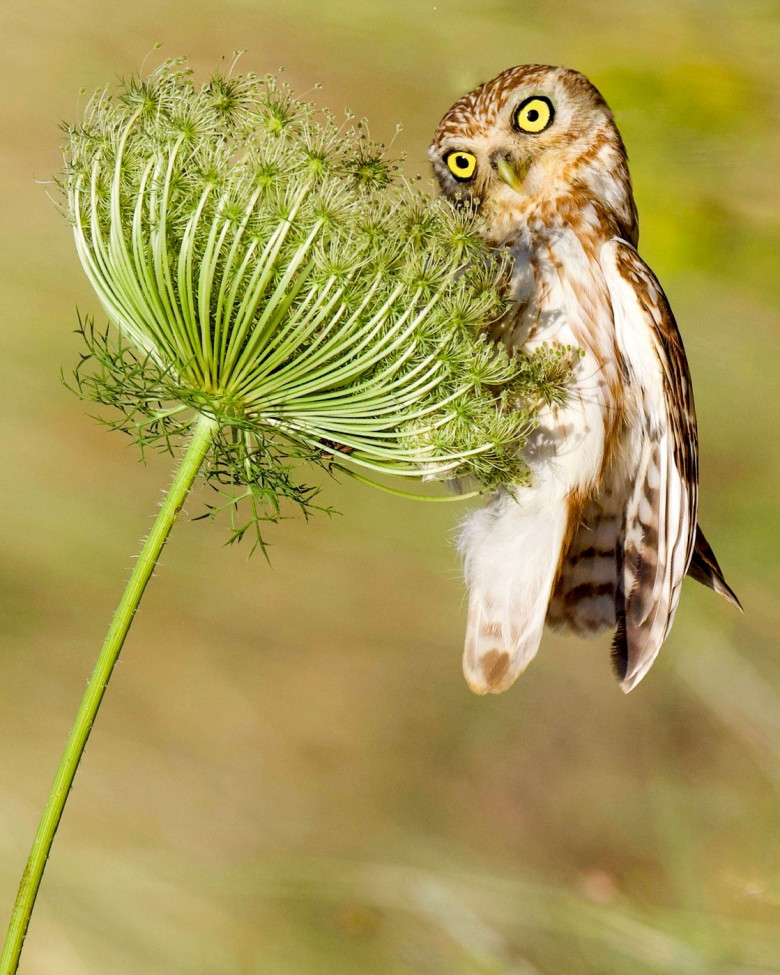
{"x": 560, "y": 297}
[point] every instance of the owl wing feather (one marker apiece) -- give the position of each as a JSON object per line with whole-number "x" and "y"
{"x": 704, "y": 568}
{"x": 660, "y": 518}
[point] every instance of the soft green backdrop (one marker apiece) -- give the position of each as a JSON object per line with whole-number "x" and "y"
{"x": 289, "y": 774}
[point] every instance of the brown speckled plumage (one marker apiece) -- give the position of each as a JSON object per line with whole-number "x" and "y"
{"x": 608, "y": 528}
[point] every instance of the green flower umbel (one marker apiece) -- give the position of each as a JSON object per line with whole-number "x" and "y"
{"x": 278, "y": 296}
{"x": 268, "y": 275}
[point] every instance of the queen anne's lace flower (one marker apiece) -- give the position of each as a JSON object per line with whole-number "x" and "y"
{"x": 269, "y": 269}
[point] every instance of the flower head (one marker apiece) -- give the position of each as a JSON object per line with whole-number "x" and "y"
{"x": 270, "y": 269}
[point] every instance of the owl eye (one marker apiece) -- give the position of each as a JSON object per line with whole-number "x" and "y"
{"x": 461, "y": 164}
{"x": 535, "y": 114}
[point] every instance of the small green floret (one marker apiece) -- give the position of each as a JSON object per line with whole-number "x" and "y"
{"x": 270, "y": 269}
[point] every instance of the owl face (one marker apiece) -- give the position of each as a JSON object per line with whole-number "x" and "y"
{"x": 532, "y": 135}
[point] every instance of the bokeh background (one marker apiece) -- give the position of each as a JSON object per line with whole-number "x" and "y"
{"x": 288, "y": 774}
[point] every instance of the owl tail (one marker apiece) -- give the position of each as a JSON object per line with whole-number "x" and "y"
{"x": 511, "y": 552}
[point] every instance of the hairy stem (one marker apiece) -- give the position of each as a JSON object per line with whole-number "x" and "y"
{"x": 120, "y": 624}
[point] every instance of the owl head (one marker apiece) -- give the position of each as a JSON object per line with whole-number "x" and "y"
{"x": 536, "y": 143}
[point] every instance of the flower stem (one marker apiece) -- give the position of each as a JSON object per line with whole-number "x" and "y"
{"x": 120, "y": 624}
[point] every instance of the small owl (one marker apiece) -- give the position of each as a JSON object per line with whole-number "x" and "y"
{"x": 607, "y": 528}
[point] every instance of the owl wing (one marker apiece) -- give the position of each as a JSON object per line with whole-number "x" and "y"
{"x": 660, "y": 517}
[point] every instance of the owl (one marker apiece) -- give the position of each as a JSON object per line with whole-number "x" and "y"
{"x": 606, "y": 529}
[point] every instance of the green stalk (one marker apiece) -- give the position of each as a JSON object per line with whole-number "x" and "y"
{"x": 55, "y": 804}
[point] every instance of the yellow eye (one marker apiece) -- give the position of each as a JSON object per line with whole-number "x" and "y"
{"x": 461, "y": 164}
{"x": 534, "y": 114}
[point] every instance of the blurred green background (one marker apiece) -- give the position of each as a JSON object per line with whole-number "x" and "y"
{"x": 289, "y": 774}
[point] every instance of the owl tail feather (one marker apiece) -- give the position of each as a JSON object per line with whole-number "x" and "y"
{"x": 511, "y": 553}
{"x": 704, "y": 568}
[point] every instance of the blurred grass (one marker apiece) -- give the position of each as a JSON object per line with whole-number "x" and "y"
{"x": 289, "y": 774}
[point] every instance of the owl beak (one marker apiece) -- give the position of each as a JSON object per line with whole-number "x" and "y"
{"x": 509, "y": 174}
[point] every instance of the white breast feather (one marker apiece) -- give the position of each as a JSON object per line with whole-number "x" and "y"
{"x": 512, "y": 548}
